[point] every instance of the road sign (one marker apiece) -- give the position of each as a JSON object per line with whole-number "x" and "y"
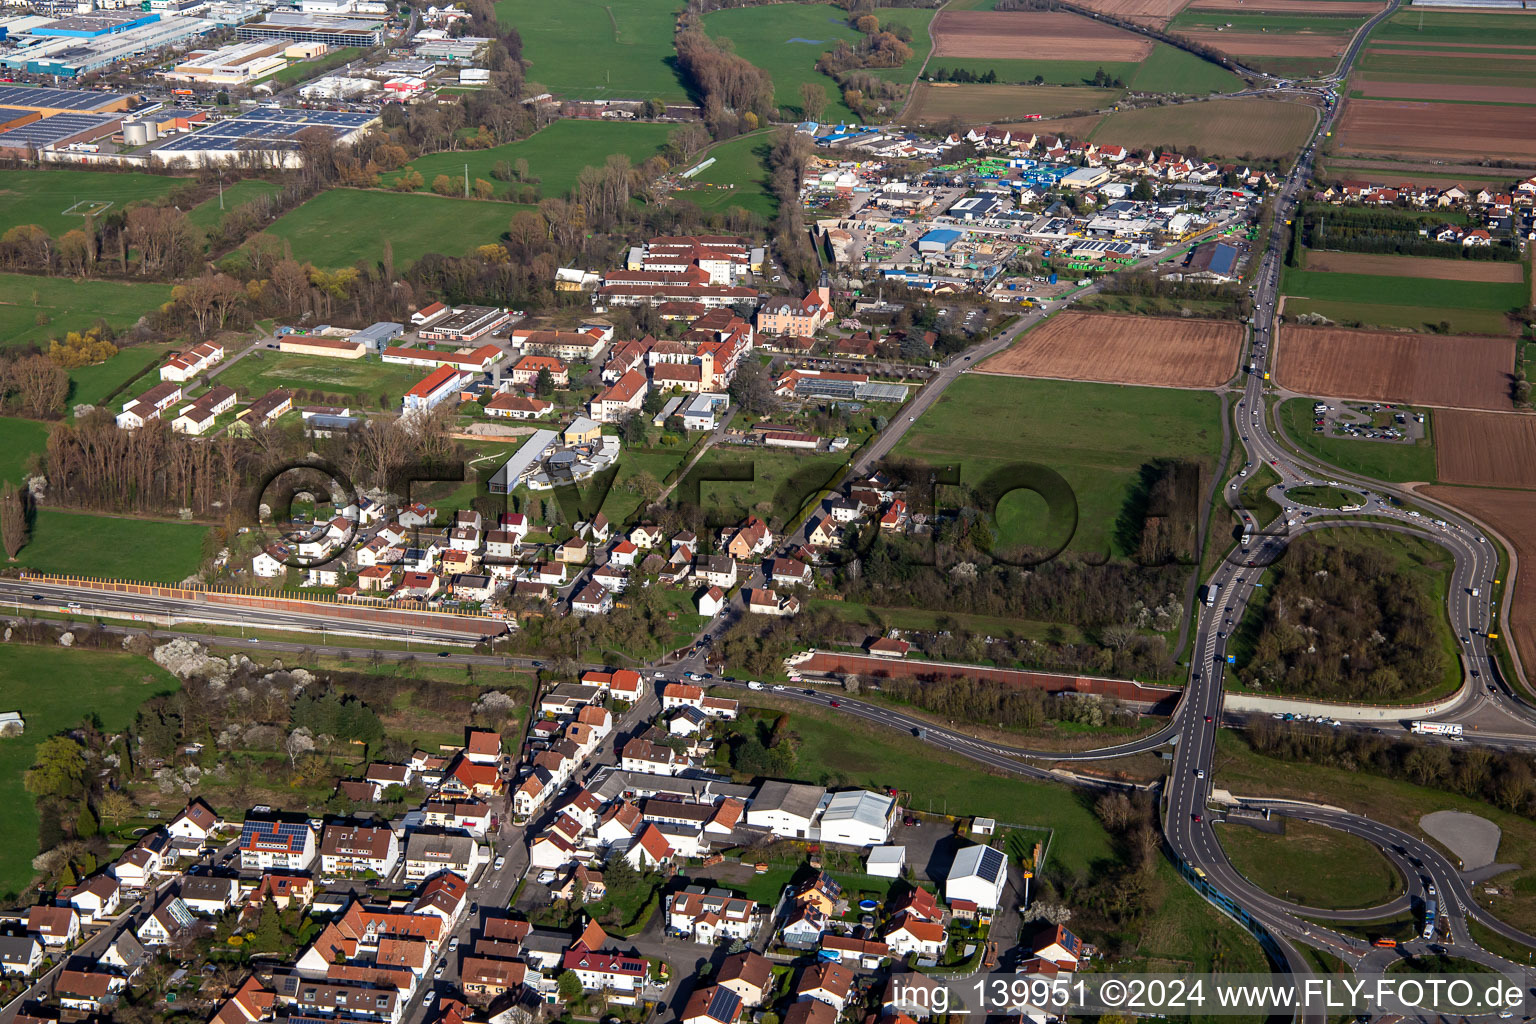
{"x": 1231, "y": 659}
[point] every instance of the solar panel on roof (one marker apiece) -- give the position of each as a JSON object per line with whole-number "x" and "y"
{"x": 60, "y": 99}
{"x": 723, "y": 1004}
{"x": 992, "y": 862}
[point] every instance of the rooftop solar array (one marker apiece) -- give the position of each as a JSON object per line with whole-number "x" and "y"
{"x": 59, "y": 99}
{"x": 265, "y": 126}
{"x": 277, "y": 828}
{"x": 51, "y": 130}
{"x": 992, "y": 863}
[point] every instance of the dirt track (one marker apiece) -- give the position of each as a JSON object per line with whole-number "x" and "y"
{"x": 1449, "y": 371}
{"x": 1155, "y": 351}
{"x": 1034, "y": 35}
{"x": 1512, "y": 514}
{"x": 1416, "y": 266}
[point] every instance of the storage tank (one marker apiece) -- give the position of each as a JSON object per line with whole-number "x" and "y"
{"x": 135, "y": 133}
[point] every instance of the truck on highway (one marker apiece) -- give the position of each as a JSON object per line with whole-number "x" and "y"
{"x": 1436, "y": 728}
{"x": 1430, "y": 908}
{"x": 1208, "y": 595}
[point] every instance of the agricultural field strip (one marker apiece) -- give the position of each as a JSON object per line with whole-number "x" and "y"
{"x": 1445, "y": 371}
{"x": 1150, "y": 351}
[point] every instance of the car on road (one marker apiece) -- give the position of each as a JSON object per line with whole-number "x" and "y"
{"x": 1195, "y": 817}
{"x": 438, "y": 972}
{"x": 453, "y": 943}
{"x": 37, "y": 597}
{"x": 1199, "y": 773}
{"x": 1207, "y": 719}
{"x": 501, "y": 862}
{"x": 836, "y": 704}
{"x": 442, "y": 654}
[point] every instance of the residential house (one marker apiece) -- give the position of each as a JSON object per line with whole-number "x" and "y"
{"x": 749, "y": 541}
{"x": 428, "y": 854}
{"x": 649, "y": 850}
{"x": 87, "y": 991}
{"x": 641, "y": 755}
{"x": 1056, "y": 945}
{"x": 814, "y": 1011}
{"x": 909, "y": 935}
{"x": 196, "y": 821}
{"x": 749, "y": 975}
{"x": 978, "y": 874}
{"x": 166, "y": 923}
{"x": 785, "y": 808}
{"x": 483, "y": 747}
{"x": 826, "y": 982}
{"x": 799, "y": 317}
{"x": 804, "y": 927}
{"x": 96, "y": 898}
{"x": 20, "y": 954}
{"x": 711, "y": 601}
{"x": 619, "y": 976}
{"x": 720, "y": 571}
{"x": 594, "y": 599}
{"x": 125, "y": 954}
{"x": 712, "y": 1004}
{"x": 280, "y": 845}
{"x": 485, "y": 979}
{"x": 54, "y": 927}
{"x": 709, "y": 915}
{"x": 209, "y": 895}
{"x": 358, "y": 849}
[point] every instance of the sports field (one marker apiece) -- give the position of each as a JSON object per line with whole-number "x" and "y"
{"x": 786, "y": 40}
{"x": 1097, "y": 436}
{"x": 63, "y": 304}
{"x": 738, "y": 177}
{"x": 1235, "y": 129}
{"x": 1154, "y": 351}
{"x": 41, "y": 197}
{"x": 1387, "y": 366}
{"x": 996, "y": 104}
{"x": 590, "y": 50}
{"x": 555, "y": 155}
{"x": 339, "y": 227}
{"x": 362, "y": 380}
{"x": 110, "y": 685}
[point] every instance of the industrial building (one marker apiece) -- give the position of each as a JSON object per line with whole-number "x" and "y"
{"x": 240, "y": 64}
{"x": 266, "y": 134}
{"x": 308, "y": 28}
{"x": 73, "y": 46}
{"x": 523, "y": 461}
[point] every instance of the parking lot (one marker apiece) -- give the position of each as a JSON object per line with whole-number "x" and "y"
{"x": 1368, "y": 421}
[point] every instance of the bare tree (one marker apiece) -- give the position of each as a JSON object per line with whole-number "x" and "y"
{"x": 13, "y": 520}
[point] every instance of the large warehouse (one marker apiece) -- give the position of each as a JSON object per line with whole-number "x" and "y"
{"x": 265, "y": 135}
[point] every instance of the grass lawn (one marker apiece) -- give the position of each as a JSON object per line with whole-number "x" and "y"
{"x": 1234, "y": 128}
{"x": 64, "y": 305}
{"x": 361, "y": 379}
{"x": 339, "y": 227}
{"x": 1167, "y": 69}
{"x": 108, "y": 546}
{"x": 846, "y": 752}
{"x": 207, "y": 214}
{"x": 1394, "y": 463}
{"x": 1170, "y": 69}
{"x": 1097, "y": 436}
{"x": 1313, "y": 865}
{"x": 787, "y": 39}
{"x": 1023, "y": 72}
{"x": 1349, "y": 313}
{"x": 555, "y": 155}
{"x": 732, "y": 483}
{"x": 628, "y": 41}
{"x": 1392, "y": 802}
{"x": 41, "y": 197}
{"x": 18, "y": 440}
{"x": 938, "y": 618}
{"x": 738, "y": 177}
{"x": 1433, "y": 27}
{"x": 1252, "y": 494}
{"x": 620, "y": 503}
{"x": 1323, "y": 496}
{"x": 90, "y": 385}
{"x": 109, "y": 684}
{"x": 304, "y": 70}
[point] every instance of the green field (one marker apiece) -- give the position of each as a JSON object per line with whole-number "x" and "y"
{"x": 1168, "y": 69}
{"x": 780, "y": 483}
{"x": 1394, "y": 463}
{"x": 64, "y": 304}
{"x": 786, "y": 40}
{"x": 738, "y": 177}
{"x": 1253, "y": 494}
{"x": 846, "y": 752}
{"x": 1279, "y": 24}
{"x": 1097, "y": 436}
{"x": 589, "y": 50}
{"x": 82, "y": 544}
{"x": 41, "y": 197}
{"x": 1324, "y": 496}
{"x": 304, "y": 70}
{"x": 104, "y": 683}
{"x": 1438, "y": 67}
{"x": 555, "y": 155}
{"x": 19, "y": 439}
{"x": 1432, "y": 27}
{"x": 1411, "y": 318}
{"x": 207, "y": 214}
{"x": 90, "y": 385}
{"x": 339, "y": 227}
{"x": 362, "y": 380}
{"x": 1414, "y": 303}
{"x": 1312, "y": 865}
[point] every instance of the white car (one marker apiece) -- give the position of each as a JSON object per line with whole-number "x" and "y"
{"x": 453, "y": 943}
{"x": 545, "y": 877}
{"x": 501, "y": 862}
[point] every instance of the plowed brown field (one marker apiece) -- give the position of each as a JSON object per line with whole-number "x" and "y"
{"x": 1163, "y": 352}
{"x": 1513, "y": 515}
{"x": 1267, "y": 44}
{"x": 1486, "y": 449}
{"x": 1034, "y": 35}
{"x": 1466, "y": 93}
{"x": 1416, "y": 266}
{"x": 1453, "y": 371}
{"x": 1454, "y": 129}
{"x": 1152, "y": 12}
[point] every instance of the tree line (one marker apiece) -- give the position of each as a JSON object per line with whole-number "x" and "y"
{"x": 1385, "y": 230}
